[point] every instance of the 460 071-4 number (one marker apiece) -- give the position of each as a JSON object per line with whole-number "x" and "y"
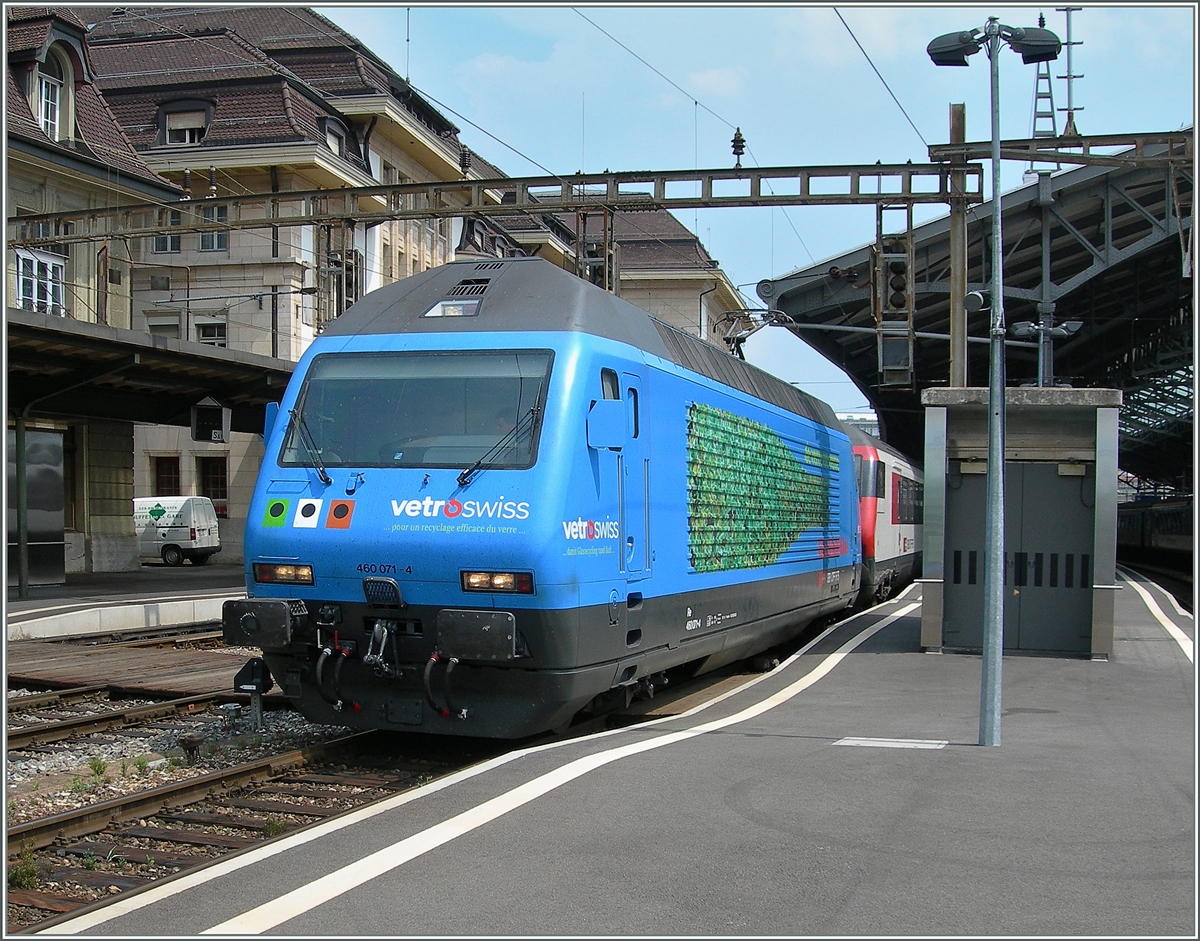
{"x": 380, "y": 568}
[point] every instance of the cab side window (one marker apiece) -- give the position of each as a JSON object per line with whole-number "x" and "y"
{"x": 609, "y": 383}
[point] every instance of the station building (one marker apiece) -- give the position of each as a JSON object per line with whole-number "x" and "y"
{"x": 219, "y": 102}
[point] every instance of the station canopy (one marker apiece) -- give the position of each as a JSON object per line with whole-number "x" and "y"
{"x": 1117, "y": 258}
{"x": 64, "y": 368}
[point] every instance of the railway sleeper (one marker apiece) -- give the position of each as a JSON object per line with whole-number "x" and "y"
{"x": 202, "y": 818}
{"x": 96, "y": 878}
{"x": 44, "y": 901}
{"x": 188, "y": 837}
{"x": 113, "y": 852}
{"x": 278, "y": 807}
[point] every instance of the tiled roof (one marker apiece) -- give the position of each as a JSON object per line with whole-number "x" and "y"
{"x": 170, "y": 61}
{"x": 335, "y": 71}
{"x": 663, "y": 253}
{"x": 18, "y": 119}
{"x": 66, "y": 14}
{"x": 292, "y": 35}
{"x": 26, "y": 37}
{"x": 264, "y": 25}
{"x": 97, "y": 131}
{"x": 251, "y": 114}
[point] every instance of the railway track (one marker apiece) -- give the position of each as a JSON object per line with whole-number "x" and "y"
{"x": 25, "y": 734}
{"x": 62, "y": 864}
{"x": 85, "y": 857}
{"x": 1174, "y": 580}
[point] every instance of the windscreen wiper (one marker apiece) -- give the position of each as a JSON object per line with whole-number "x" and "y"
{"x": 310, "y": 446}
{"x": 490, "y": 456}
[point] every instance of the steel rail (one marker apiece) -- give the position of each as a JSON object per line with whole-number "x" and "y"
{"x": 54, "y": 697}
{"x": 44, "y": 831}
{"x": 57, "y": 730}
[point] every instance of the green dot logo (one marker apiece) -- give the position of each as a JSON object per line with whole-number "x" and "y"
{"x": 276, "y": 512}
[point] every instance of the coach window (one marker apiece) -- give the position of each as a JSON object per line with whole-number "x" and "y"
{"x": 608, "y": 382}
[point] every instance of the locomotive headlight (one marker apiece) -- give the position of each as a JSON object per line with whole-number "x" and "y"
{"x": 518, "y": 583}
{"x": 270, "y": 573}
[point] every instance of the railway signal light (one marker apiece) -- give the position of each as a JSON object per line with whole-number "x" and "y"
{"x": 894, "y": 308}
{"x": 894, "y": 280}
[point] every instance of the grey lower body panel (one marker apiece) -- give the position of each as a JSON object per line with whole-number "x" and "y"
{"x": 518, "y": 672}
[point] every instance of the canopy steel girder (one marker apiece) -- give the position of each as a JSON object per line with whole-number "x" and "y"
{"x": 618, "y": 192}
{"x": 1096, "y": 244}
{"x": 1141, "y": 150}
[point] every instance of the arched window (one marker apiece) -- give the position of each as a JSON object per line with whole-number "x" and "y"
{"x": 50, "y": 96}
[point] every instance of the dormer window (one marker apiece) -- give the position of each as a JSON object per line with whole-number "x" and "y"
{"x": 50, "y": 96}
{"x": 186, "y": 127}
{"x": 335, "y": 138}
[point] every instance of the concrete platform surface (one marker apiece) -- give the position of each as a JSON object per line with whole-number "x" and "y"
{"x": 842, "y": 794}
{"x": 156, "y": 595}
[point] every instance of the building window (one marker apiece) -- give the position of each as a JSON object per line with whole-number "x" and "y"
{"x": 214, "y": 482}
{"x": 186, "y": 127}
{"x": 41, "y": 282}
{"x": 166, "y": 476}
{"x": 211, "y": 332}
{"x": 214, "y": 241}
{"x": 335, "y": 139}
{"x": 163, "y": 326}
{"x": 168, "y": 244}
{"x": 50, "y": 94}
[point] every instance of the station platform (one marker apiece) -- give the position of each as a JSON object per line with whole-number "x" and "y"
{"x": 841, "y": 794}
{"x": 153, "y": 596}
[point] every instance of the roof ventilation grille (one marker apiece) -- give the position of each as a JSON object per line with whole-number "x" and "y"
{"x": 470, "y": 287}
{"x": 489, "y": 265}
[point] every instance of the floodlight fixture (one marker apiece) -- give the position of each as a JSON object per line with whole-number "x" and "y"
{"x": 953, "y": 48}
{"x": 974, "y": 302}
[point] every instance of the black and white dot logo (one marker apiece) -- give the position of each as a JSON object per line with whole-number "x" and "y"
{"x": 308, "y": 512}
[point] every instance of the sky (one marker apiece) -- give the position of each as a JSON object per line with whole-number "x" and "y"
{"x": 540, "y": 88}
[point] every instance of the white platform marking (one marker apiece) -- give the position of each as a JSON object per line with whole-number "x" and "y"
{"x": 304, "y": 899}
{"x": 892, "y": 742}
{"x": 1181, "y": 638}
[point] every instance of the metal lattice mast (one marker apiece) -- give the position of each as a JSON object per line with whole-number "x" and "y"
{"x": 1044, "y": 122}
{"x": 1070, "y": 130}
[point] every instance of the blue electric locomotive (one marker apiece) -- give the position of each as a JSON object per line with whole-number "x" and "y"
{"x": 495, "y": 495}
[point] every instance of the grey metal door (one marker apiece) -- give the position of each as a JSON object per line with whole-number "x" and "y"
{"x": 966, "y": 504}
{"x": 1048, "y": 534}
{"x": 1050, "y": 562}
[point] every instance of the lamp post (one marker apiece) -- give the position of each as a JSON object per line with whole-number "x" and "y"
{"x": 1035, "y": 45}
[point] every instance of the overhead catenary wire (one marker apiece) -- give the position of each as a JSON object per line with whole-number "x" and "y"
{"x": 697, "y": 104}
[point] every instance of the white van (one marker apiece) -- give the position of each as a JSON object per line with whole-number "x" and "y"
{"x": 176, "y": 528}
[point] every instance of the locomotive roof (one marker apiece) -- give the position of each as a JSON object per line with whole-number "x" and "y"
{"x": 531, "y": 294}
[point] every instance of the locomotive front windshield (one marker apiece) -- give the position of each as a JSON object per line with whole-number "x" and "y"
{"x": 419, "y": 409}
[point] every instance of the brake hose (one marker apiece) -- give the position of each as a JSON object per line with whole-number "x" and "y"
{"x": 444, "y": 711}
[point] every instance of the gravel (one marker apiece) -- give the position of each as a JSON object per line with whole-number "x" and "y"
{"x": 79, "y": 772}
